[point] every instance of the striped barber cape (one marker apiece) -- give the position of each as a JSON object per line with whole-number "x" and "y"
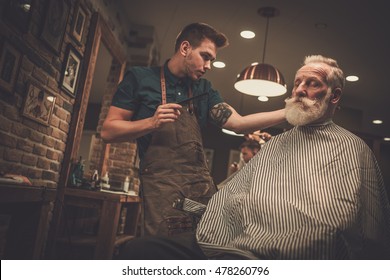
{"x": 313, "y": 192}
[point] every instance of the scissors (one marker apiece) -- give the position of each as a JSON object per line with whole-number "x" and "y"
{"x": 191, "y": 98}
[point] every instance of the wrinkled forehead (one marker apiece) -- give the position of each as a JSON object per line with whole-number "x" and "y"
{"x": 317, "y": 70}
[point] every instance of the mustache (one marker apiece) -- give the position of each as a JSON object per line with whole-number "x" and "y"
{"x": 307, "y": 102}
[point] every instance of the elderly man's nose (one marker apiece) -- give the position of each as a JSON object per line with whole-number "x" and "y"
{"x": 300, "y": 90}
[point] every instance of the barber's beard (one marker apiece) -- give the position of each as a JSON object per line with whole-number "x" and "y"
{"x": 190, "y": 68}
{"x": 303, "y": 111}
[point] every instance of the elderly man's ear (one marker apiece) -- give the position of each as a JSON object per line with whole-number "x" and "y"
{"x": 336, "y": 95}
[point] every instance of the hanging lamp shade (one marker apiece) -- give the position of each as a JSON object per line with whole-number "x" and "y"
{"x": 261, "y": 80}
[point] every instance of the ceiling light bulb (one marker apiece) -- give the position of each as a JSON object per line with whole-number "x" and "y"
{"x": 352, "y": 78}
{"x": 377, "y": 121}
{"x": 263, "y": 98}
{"x": 386, "y": 138}
{"x": 247, "y": 34}
{"x": 219, "y": 64}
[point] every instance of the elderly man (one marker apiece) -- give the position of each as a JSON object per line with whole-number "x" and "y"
{"x": 313, "y": 192}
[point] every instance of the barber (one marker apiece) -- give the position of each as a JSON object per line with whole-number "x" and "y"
{"x": 149, "y": 105}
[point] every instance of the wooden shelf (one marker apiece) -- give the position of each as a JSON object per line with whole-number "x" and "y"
{"x": 101, "y": 195}
{"x": 28, "y": 208}
{"x": 99, "y": 213}
{"x": 24, "y": 193}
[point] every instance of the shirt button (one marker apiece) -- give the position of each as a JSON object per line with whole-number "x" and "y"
{"x": 179, "y": 93}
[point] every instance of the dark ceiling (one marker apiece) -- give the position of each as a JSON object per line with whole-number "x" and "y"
{"x": 355, "y": 34}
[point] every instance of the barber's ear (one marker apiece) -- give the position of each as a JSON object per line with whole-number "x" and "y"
{"x": 336, "y": 95}
{"x": 185, "y": 48}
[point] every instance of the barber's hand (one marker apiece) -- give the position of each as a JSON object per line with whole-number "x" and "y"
{"x": 166, "y": 113}
{"x": 265, "y": 136}
{"x": 258, "y": 136}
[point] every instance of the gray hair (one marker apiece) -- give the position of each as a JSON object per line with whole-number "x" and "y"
{"x": 336, "y": 75}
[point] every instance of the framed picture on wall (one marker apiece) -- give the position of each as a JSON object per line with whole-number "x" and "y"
{"x": 9, "y": 66}
{"x": 55, "y": 24}
{"x": 79, "y": 20}
{"x": 39, "y": 104}
{"x": 70, "y": 72}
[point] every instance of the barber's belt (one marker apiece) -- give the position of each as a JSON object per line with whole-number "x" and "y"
{"x": 190, "y": 206}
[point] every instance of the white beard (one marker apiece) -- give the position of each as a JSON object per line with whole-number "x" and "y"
{"x": 303, "y": 111}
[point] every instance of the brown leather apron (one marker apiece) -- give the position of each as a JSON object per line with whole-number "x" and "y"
{"x": 173, "y": 167}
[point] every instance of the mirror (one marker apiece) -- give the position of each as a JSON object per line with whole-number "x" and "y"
{"x": 104, "y": 64}
{"x": 90, "y": 134}
{"x": 100, "y": 43}
{"x": 105, "y": 70}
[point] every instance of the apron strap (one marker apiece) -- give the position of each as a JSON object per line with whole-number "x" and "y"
{"x": 163, "y": 86}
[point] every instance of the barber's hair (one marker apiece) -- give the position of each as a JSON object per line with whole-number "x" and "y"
{"x": 336, "y": 75}
{"x": 250, "y": 144}
{"x": 195, "y": 33}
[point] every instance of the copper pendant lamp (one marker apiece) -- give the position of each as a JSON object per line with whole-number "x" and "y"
{"x": 262, "y": 79}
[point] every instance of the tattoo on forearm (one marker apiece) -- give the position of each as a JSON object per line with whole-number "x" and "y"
{"x": 220, "y": 113}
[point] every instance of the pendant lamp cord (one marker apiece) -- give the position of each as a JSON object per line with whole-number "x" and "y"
{"x": 265, "y": 39}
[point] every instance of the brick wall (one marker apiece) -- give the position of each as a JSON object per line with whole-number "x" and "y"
{"x": 28, "y": 147}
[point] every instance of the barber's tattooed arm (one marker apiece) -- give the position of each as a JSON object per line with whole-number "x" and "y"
{"x": 220, "y": 113}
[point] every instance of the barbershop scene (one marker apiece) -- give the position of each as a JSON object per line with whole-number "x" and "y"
{"x": 194, "y": 130}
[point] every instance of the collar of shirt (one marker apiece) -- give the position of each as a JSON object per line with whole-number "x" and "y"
{"x": 325, "y": 122}
{"x": 172, "y": 79}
